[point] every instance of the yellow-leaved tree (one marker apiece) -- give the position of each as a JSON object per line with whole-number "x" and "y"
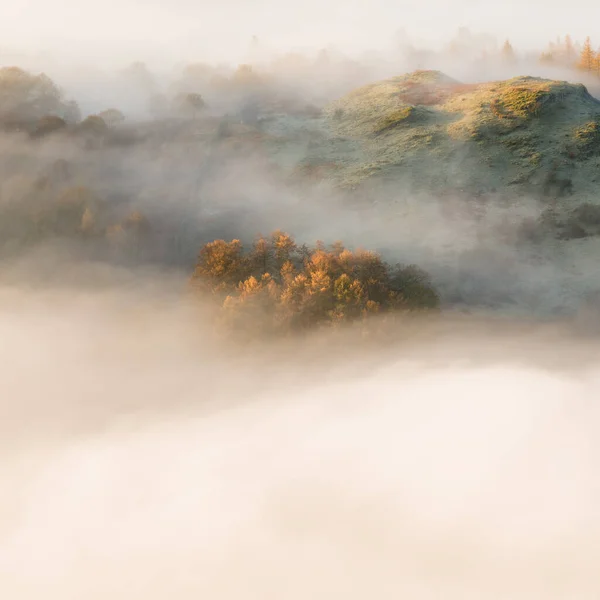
{"x": 279, "y": 287}
{"x": 587, "y": 57}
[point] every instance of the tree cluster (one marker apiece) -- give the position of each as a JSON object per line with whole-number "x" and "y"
{"x": 26, "y": 98}
{"x": 34, "y": 104}
{"x": 277, "y": 286}
{"x": 566, "y": 53}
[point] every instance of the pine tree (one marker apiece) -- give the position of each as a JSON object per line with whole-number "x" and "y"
{"x": 508, "y": 53}
{"x": 587, "y": 57}
{"x": 553, "y": 54}
{"x": 569, "y": 50}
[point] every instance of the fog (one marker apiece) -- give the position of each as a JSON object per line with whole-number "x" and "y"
{"x": 141, "y": 459}
{"x": 145, "y": 455}
{"x": 182, "y": 28}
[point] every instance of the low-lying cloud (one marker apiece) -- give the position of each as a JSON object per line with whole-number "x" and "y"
{"x": 142, "y": 459}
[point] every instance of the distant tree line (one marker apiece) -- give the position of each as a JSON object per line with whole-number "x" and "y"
{"x": 564, "y": 53}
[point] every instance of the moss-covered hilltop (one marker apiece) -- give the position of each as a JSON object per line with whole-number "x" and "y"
{"x": 523, "y": 135}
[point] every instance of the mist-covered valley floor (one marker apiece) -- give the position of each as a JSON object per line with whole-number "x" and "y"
{"x": 255, "y": 347}
{"x": 139, "y": 461}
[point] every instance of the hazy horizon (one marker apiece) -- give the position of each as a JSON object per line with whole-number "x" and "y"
{"x": 186, "y": 30}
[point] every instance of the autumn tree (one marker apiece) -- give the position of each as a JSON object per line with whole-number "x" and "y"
{"x": 587, "y": 57}
{"x": 284, "y": 246}
{"x": 252, "y": 307}
{"x": 596, "y": 66}
{"x": 221, "y": 266}
{"x": 280, "y": 286}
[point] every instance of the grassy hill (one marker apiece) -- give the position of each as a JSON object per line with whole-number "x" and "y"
{"x": 521, "y": 136}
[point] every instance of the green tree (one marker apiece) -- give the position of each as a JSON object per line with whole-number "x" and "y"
{"x": 412, "y": 286}
{"x": 373, "y": 274}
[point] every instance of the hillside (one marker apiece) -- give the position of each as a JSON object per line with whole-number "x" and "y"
{"x": 524, "y": 135}
{"x": 154, "y": 192}
{"x": 428, "y": 132}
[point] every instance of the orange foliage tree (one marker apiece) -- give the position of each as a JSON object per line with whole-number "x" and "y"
{"x": 280, "y": 286}
{"x": 587, "y": 58}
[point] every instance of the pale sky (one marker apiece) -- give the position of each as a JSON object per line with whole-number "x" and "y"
{"x": 223, "y": 28}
